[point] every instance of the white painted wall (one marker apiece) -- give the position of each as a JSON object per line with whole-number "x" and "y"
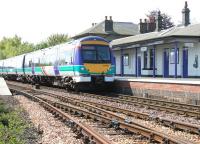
{"x": 117, "y": 59}
{"x": 192, "y": 71}
{"x": 130, "y": 69}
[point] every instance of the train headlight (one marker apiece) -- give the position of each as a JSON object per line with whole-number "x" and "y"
{"x": 82, "y": 68}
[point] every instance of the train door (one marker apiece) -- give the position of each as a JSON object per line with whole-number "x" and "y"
{"x": 185, "y": 63}
{"x": 139, "y": 66}
{"x": 166, "y": 63}
{"x": 23, "y": 65}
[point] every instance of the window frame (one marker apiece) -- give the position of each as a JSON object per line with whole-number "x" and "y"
{"x": 151, "y": 57}
{"x": 170, "y": 56}
{"x": 126, "y": 61}
{"x": 145, "y": 60}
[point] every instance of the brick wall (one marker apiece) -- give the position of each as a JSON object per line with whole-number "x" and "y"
{"x": 174, "y": 92}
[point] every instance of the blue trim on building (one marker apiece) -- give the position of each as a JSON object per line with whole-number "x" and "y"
{"x": 121, "y": 62}
{"x": 136, "y": 73}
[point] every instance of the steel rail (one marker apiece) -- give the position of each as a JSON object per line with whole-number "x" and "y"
{"x": 108, "y": 117}
{"x": 90, "y": 134}
{"x": 176, "y": 125}
{"x": 181, "y": 111}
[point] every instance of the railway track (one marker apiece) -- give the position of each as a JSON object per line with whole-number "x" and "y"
{"x": 176, "y": 125}
{"x": 172, "y": 107}
{"x": 88, "y": 134}
{"x": 96, "y": 112}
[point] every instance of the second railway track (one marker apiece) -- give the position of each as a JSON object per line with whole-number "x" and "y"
{"x": 92, "y": 107}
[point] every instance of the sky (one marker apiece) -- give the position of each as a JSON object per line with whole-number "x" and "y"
{"x": 35, "y": 20}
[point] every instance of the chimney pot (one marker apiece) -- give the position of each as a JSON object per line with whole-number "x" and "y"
{"x": 109, "y": 25}
{"x": 159, "y": 22}
{"x": 186, "y": 15}
{"x": 105, "y": 17}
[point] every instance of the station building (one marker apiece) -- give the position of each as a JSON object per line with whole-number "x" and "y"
{"x": 174, "y": 52}
{"x": 153, "y": 61}
{"x": 160, "y": 63}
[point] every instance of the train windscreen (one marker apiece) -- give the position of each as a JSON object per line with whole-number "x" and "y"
{"x": 96, "y": 54}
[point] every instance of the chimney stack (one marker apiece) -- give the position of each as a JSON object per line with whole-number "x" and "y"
{"x": 143, "y": 26}
{"x": 105, "y": 17}
{"x": 152, "y": 24}
{"x": 108, "y": 24}
{"x": 186, "y": 15}
{"x": 159, "y": 22}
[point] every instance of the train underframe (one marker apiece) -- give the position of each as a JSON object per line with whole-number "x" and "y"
{"x": 97, "y": 82}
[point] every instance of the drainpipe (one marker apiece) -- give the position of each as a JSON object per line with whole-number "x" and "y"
{"x": 136, "y": 73}
{"x": 154, "y": 61}
{"x": 122, "y": 63}
{"x": 175, "y": 51}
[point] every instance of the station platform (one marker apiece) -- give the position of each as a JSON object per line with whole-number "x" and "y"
{"x": 181, "y": 89}
{"x": 187, "y": 81}
{"x": 4, "y": 90}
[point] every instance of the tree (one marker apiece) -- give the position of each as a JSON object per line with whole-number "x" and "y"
{"x": 57, "y": 39}
{"x": 166, "y": 21}
{"x": 53, "y": 40}
{"x": 13, "y": 46}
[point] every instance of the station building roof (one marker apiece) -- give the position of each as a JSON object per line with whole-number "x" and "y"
{"x": 119, "y": 28}
{"x": 177, "y": 31}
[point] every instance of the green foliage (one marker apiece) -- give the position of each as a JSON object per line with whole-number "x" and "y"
{"x": 12, "y": 126}
{"x": 10, "y": 47}
{"x": 166, "y": 21}
{"x": 53, "y": 40}
{"x": 13, "y": 46}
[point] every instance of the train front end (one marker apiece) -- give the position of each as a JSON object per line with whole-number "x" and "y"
{"x": 97, "y": 62}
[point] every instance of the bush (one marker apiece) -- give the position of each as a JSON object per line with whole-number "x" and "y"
{"x": 12, "y": 126}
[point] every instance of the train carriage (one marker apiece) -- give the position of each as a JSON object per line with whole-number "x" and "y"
{"x": 88, "y": 60}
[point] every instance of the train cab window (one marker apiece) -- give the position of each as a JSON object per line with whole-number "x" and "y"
{"x": 103, "y": 53}
{"x": 95, "y": 53}
{"x": 89, "y": 55}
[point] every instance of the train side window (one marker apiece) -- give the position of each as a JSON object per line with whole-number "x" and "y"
{"x": 30, "y": 63}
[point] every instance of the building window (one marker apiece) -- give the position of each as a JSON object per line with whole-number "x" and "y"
{"x": 126, "y": 59}
{"x": 172, "y": 56}
{"x": 145, "y": 59}
{"x": 151, "y": 58}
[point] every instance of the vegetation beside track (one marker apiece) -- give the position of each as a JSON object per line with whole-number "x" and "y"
{"x": 14, "y": 127}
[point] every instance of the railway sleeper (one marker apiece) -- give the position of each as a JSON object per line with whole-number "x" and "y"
{"x": 70, "y": 123}
{"x": 165, "y": 141}
{"x": 79, "y": 133}
{"x": 151, "y": 138}
{"x": 115, "y": 124}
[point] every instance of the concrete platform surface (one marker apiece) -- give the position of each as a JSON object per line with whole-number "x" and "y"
{"x": 187, "y": 81}
{"x": 4, "y": 90}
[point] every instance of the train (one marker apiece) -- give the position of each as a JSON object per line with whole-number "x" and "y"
{"x": 82, "y": 63}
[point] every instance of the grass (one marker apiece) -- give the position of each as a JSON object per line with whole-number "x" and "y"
{"x": 12, "y": 125}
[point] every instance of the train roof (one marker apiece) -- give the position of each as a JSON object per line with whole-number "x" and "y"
{"x": 89, "y": 38}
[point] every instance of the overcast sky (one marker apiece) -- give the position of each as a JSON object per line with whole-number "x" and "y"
{"x": 35, "y": 20}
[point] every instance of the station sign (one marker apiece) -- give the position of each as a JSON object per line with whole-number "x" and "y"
{"x": 189, "y": 45}
{"x": 143, "y": 49}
